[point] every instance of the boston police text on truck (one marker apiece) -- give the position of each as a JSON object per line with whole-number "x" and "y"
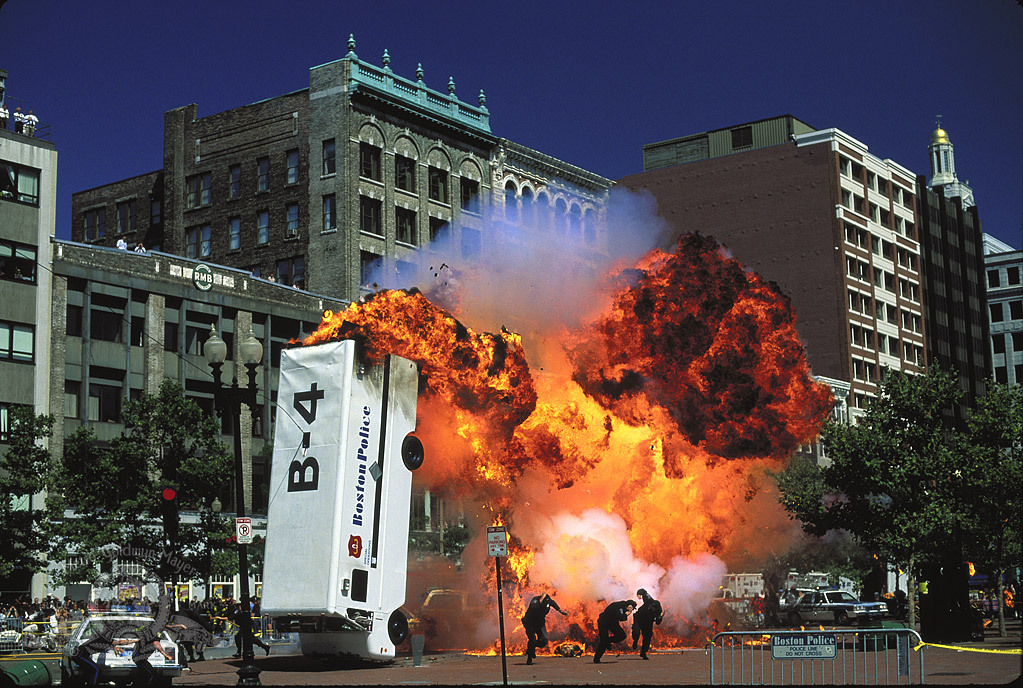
{"x": 360, "y": 456}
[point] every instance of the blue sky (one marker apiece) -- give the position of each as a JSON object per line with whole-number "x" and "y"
{"x": 586, "y": 82}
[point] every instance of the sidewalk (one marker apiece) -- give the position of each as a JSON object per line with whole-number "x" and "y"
{"x": 964, "y": 663}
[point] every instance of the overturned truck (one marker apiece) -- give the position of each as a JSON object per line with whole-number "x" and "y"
{"x": 340, "y": 490}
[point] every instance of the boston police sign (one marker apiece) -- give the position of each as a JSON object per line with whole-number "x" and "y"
{"x": 202, "y": 277}
{"x": 804, "y": 646}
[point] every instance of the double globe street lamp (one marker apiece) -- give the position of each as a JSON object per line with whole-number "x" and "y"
{"x": 231, "y": 399}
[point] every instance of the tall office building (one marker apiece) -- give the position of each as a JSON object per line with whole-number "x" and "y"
{"x": 833, "y": 225}
{"x": 1003, "y": 266}
{"x": 28, "y": 202}
{"x": 322, "y": 187}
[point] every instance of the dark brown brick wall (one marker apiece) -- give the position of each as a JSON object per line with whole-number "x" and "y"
{"x": 143, "y": 189}
{"x": 774, "y": 209}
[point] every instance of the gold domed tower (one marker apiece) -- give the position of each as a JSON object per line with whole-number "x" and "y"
{"x": 943, "y": 168}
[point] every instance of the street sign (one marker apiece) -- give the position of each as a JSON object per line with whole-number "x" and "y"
{"x": 497, "y": 541}
{"x": 243, "y": 530}
{"x": 804, "y": 646}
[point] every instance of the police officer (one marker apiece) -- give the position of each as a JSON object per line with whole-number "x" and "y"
{"x": 535, "y": 623}
{"x": 609, "y": 626}
{"x": 647, "y": 615}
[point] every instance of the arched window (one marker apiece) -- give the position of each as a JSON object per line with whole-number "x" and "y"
{"x": 590, "y": 226}
{"x": 528, "y": 212}
{"x": 543, "y": 219}
{"x": 560, "y": 213}
{"x": 575, "y": 223}
{"x": 511, "y": 208}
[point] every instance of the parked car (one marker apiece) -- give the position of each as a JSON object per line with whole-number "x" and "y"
{"x": 830, "y": 606}
{"x": 100, "y": 632}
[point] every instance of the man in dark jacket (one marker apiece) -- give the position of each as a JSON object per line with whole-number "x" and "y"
{"x": 643, "y": 622}
{"x": 609, "y": 626}
{"x": 535, "y": 623}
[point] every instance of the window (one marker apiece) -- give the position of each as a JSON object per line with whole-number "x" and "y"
{"x": 198, "y": 241}
{"x": 72, "y": 395}
{"x": 438, "y": 227}
{"x": 438, "y": 179}
{"x": 998, "y": 344}
{"x": 292, "y": 272}
{"x": 235, "y": 241}
{"x": 234, "y": 182}
{"x": 996, "y": 312}
{"x": 1013, "y": 277}
{"x": 329, "y": 212}
{"x": 1016, "y": 310}
{"x": 126, "y": 217}
{"x": 742, "y": 137}
{"x": 847, "y": 198}
{"x": 468, "y": 193}
{"x": 95, "y": 224}
{"x": 17, "y": 262}
{"x": 19, "y": 183}
{"x": 1017, "y": 346}
{"x": 262, "y": 174}
{"x": 993, "y": 278}
{"x": 292, "y": 157}
{"x": 370, "y": 215}
{"x": 528, "y": 210}
{"x": 369, "y": 161}
{"x": 263, "y": 226}
{"x": 406, "y": 271}
{"x": 155, "y": 212}
{"x": 17, "y": 342}
{"x": 170, "y": 337}
{"x": 328, "y": 157}
{"x": 471, "y": 242}
{"x": 406, "y": 225}
{"x": 292, "y": 211}
{"x": 5, "y": 422}
{"x": 197, "y": 190}
{"x": 368, "y": 264}
{"x": 405, "y": 173}
{"x": 74, "y": 321}
{"x": 104, "y": 403}
{"x": 511, "y": 206}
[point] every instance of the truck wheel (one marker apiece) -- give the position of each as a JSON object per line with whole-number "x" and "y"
{"x": 841, "y": 618}
{"x": 397, "y": 627}
{"x": 412, "y": 453}
{"x": 794, "y": 619}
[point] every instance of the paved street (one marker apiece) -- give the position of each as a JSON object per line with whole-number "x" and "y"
{"x": 942, "y": 666}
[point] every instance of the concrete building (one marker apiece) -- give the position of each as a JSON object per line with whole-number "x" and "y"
{"x": 28, "y": 202}
{"x": 814, "y": 211}
{"x": 330, "y": 186}
{"x": 1003, "y": 267}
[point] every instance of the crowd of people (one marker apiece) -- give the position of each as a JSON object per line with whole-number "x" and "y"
{"x": 23, "y": 123}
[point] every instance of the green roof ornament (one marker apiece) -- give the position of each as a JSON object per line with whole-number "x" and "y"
{"x": 419, "y": 71}
{"x": 351, "y": 46}
{"x": 451, "y": 86}
{"x": 483, "y": 99}
{"x": 386, "y": 59}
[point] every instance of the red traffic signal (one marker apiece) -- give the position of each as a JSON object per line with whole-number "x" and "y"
{"x": 169, "y": 494}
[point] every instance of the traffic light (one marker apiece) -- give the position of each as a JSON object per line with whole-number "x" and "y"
{"x": 169, "y": 510}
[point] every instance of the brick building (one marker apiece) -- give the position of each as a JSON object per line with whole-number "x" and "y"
{"x": 328, "y": 187}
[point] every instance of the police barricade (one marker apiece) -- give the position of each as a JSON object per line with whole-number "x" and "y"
{"x": 879, "y": 656}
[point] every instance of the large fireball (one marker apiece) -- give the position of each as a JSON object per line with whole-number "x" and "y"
{"x": 636, "y": 457}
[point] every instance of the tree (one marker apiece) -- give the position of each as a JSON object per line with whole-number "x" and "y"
{"x": 23, "y": 470}
{"x": 996, "y": 438}
{"x": 895, "y": 477}
{"x": 117, "y": 491}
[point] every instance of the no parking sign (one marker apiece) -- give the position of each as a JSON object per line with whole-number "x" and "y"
{"x": 243, "y": 530}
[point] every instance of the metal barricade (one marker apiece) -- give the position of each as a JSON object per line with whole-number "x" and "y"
{"x": 878, "y": 656}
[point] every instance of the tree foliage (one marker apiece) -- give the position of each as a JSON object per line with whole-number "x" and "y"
{"x": 23, "y": 470}
{"x": 115, "y": 489}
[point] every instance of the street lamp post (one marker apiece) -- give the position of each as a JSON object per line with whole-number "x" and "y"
{"x": 231, "y": 399}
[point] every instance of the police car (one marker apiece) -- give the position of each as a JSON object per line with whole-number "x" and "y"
{"x": 106, "y": 641}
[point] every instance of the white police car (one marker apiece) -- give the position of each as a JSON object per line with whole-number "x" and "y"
{"x": 101, "y": 647}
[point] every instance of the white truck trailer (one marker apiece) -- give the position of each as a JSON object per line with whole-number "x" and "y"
{"x": 340, "y": 490}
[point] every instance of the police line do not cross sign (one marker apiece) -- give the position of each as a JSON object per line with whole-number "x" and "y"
{"x": 497, "y": 541}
